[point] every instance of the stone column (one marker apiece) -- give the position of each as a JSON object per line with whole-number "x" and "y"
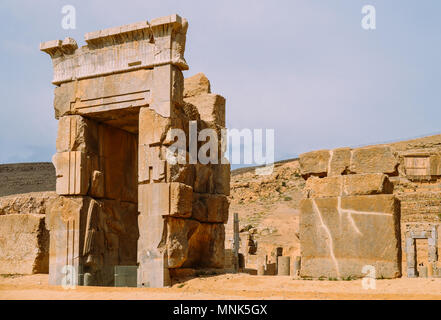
{"x": 411, "y": 256}
{"x": 236, "y": 242}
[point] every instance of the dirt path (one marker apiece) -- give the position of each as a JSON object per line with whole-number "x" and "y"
{"x": 229, "y": 286}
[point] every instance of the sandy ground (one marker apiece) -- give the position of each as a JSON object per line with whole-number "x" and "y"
{"x": 228, "y": 286}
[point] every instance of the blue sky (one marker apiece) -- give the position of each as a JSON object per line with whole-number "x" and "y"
{"x": 305, "y": 68}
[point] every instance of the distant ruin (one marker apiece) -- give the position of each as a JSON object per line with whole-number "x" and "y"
{"x": 361, "y": 205}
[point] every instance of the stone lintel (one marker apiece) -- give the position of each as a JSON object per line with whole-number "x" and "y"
{"x": 140, "y": 45}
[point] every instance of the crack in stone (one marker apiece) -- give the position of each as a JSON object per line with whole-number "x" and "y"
{"x": 366, "y": 212}
{"x": 328, "y": 232}
{"x": 331, "y": 154}
{"x": 351, "y": 220}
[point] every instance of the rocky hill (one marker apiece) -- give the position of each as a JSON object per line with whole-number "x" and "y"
{"x": 18, "y": 178}
{"x": 267, "y": 206}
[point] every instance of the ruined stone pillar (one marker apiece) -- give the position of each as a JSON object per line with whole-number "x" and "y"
{"x": 236, "y": 242}
{"x": 283, "y": 265}
{"x": 119, "y": 101}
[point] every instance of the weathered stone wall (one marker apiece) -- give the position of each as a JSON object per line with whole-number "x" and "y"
{"x": 117, "y": 120}
{"x": 26, "y": 177}
{"x": 350, "y": 218}
{"x": 24, "y": 238}
{"x": 412, "y": 167}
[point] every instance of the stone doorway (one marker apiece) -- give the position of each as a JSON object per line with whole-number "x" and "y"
{"x": 415, "y": 235}
{"x": 95, "y": 227}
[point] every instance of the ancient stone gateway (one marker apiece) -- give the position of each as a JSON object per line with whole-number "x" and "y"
{"x": 122, "y": 203}
{"x": 420, "y": 231}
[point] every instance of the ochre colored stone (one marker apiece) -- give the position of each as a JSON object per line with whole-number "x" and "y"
{"x": 211, "y": 107}
{"x": 340, "y": 235}
{"x": 76, "y": 133}
{"x": 376, "y": 159}
{"x": 339, "y": 162}
{"x": 207, "y": 247}
{"x": 348, "y": 185}
{"x": 314, "y": 163}
{"x": 24, "y": 244}
{"x": 25, "y": 203}
{"x": 179, "y": 232}
{"x": 210, "y": 207}
{"x": 73, "y": 170}
{"x": 196, "y": 85}
{"x": 174, "y": 199}
{"x": 221, "y": 178}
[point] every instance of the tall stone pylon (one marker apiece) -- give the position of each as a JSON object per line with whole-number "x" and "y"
{"x": 121, "y": 202}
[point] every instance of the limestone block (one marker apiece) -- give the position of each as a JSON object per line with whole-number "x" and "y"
{"x": 73, "y": 171}
{"x": 376, "y": 159}
{"x": 221, "y": 178}
{"x": 97, "y": 186}
{"x": 119, "y": 221}
{"x": 181, "y": 199}
{"x": 76, "y": 133}
{"x": 24, "y": 244}
{"x": 33, "y": 202}
{"x": 203, "y": 182}
{"x": 167, "y": 89}
{"x": 136, "y": 46}
{"x": 340, "y": 235}
{"x": 58, "y": 47}
{"x": 210, "y": 207}
{"x": 166, "y": 199}
{"x": 152, "y": 127}
{"x": 435, "y": 165}
{"x": 152, "y": 254}
{"x": 347, "y": 185}
{"x": 179, "y": 232}
{"x": 170, "y": 36}
{"x": 211, "y": 107}
{"x": 64, "y": 222}
{"x": 206, "y": 248}
{"x": 104, "y": 94}
{"x": 183, "y": 173}
{"x": 340, "y": 161}
{"x": 190, "y": 111}
{"x": 314, "y": 163}
{"x": 151, "y": 166}
{"x": 196, "y": 85}
{"x": 63, "y": 96}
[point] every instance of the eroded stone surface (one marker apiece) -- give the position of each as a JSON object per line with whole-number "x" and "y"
{"x": 116, "y": 121}
{"x": 196, "y": 85}
{"x": 314, "y": 163}
{"x": 348, "y": 185}
{"x": 24, "y": 242}
{"x": 373, "y": 159}
{"x": 27, "y": 203}
{"x": 340, "y": 235}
